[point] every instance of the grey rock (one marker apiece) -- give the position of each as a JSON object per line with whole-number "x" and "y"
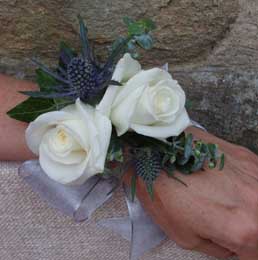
{"x": 211, "y": 46}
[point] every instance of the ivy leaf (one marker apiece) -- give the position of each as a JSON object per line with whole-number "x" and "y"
{"x": 145, "y": 41}
{"x": 47, "y": 95}
{"x": 31, "y": 108}
{"x": 45, "y": 81}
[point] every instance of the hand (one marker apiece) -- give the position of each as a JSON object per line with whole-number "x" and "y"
{"x": 217, "y": 213}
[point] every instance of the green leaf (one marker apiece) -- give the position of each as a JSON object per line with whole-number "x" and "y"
{"x": 170, "y": 170}
{"x": 213, "y": 151}
{"x": 198, "y": 162}
{"x": 170, "y": 173}
{"x": 188, "y": 150}
{"x": 115, "y": 83}
{"x": 188, "y": 104}
{"x": 148, "y": 24}
{"x": 67, "y": 50}
{"x": 165, "y": 159}
{"x": 128, "y": 21}
{"x": 139, "y": 27}
{"x": 31, "y": 108}
{"x": 222, "y": 162}
{"x": 47, "y": 95}
{"x": 133, "y": 186}
{"x": 212, "y": 164}
{"x": 45, "y": 81}
{"x": 143, "y": 26}
{"x": 118, "y": 42}
{"x": 135, "y": 29}
{"x": 136, "y": 55}
{"x": 188, "y": 146}
{"x": 131, "y": 46}
{"x": 62, "y": 102}
{"x": 115, "y": 150}
{"x": 150, "y": 190}
{"x": 145, "y": 41}
{"x": 135, "y": 140}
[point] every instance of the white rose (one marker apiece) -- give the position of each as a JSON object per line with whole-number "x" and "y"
{"x": 72, "y": 143}
{"x": 150, "y": 102}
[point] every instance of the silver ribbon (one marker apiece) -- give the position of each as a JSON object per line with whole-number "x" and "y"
{"x": 196, "y": 124}
{"x": 79, "y": 202}
{"x": 138, "y": 228}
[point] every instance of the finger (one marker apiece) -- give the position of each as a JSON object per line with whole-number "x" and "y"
{"x": 209, "y": 248}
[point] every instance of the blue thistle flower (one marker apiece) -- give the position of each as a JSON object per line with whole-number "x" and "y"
{"x": 79, "y": 76}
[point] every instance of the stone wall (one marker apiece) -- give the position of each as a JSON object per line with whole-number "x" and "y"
{"x": 211, "y": 47}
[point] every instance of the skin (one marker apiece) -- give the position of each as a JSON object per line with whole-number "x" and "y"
{"x": 217, "y": 213}
{"x": 12, "y": 139}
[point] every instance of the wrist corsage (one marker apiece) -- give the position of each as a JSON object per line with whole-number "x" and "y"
{"x": 89, "y": 122}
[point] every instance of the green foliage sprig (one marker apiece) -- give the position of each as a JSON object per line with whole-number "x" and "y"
{"x": 68, "y": 81}
{"x": 149, "y": 156}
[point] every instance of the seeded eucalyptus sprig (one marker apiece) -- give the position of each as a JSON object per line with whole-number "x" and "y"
{"x": 138, "y": 34}
{"x": 149, "y": 156}
{"x": 80, "y": 75}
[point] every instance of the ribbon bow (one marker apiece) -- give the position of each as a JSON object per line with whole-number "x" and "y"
{"x": 79, "y": 202}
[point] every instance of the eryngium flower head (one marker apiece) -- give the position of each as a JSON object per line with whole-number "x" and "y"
{"x": 78, "y": 76}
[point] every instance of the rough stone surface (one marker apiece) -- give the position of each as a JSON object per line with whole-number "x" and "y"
{"x": 211, "y": 46}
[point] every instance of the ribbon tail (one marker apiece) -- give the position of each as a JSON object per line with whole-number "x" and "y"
{"x": 196, "y": 124}
{"x": 78, "y": 202}
{"x": 139, "y": 228}
{"x": 121, "y": 226}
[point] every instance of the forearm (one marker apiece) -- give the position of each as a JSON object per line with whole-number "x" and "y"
{"x": 13, "y": 146}
{"x": 12, "y": 141}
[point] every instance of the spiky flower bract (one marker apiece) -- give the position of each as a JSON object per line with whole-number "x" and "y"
{"x": 82, "y": 76}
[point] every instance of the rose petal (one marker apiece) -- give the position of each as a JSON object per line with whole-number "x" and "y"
{"x": 37, "y": 129}
{"x": 104, "y": 134}
{"x": 63, "y": 173}
{"x": 144, "y": 113}
{"x": 145, "y": 77}
{"x": 126, "y": 68}
{"x": 106, "y": 103}
{"x": 164, "y": 131}
{"x": 99, "y": 133}
{"x": 122, "y": 113}
{"x": 65, "y": 157}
